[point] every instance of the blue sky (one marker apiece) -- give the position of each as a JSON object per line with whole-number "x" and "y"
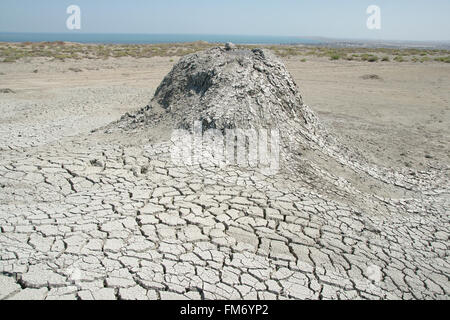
{"x": 400, "y": 19}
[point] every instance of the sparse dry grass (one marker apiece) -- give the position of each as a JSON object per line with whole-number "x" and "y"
{"x": 365, "y": 54}
{"x": 11, "y": 52}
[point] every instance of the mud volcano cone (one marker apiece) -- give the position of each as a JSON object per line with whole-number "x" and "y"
{"x": 227, "y": 88}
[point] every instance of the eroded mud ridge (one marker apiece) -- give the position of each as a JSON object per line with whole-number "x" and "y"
{"x": 108, "y": 215}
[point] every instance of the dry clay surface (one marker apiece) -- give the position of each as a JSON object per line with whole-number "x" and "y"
{"x": 97, "y": 216}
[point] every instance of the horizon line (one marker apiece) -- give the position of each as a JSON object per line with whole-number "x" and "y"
{"x": 223, "y": 34}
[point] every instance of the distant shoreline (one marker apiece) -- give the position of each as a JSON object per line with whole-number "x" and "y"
{"x": 110, "y": 38}
{"x": 138, "y": 39}
{"x": 61, "y": 50}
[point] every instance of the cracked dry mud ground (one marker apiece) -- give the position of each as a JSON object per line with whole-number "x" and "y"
{"x": 97, "y": 216}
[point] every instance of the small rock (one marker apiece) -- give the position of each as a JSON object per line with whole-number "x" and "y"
{"x": 96, "y": 163}
{"x": 230, "y": 46}
{"x": 6, "y": 90}
{"x": 371, "y": 77}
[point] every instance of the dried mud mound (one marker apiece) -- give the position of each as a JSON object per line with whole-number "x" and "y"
{"x": 228, "y": 88}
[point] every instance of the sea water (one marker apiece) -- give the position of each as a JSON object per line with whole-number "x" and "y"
{"x": 150, "y": 38}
